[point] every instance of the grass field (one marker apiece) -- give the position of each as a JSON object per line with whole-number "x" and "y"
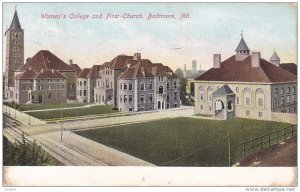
{"x": 183, "y": 141}
{"x": 93, "y": 110}
{"x": 24, "y": 107}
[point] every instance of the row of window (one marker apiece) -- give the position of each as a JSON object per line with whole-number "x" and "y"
{"x": 82, "y": 92}
{"x": 248, "y": 113}
{"x": 80, "y": 83}
{"x": 129, "y": 98}
{"x": 289, "y": 100}
{"x": 287, "y": 90}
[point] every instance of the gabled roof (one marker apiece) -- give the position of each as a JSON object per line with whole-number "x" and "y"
{"x": 43, "y": 74}
{"x": 119, "y": 62}
{"x": 84, "y": 72}
{"x": 15, "y": 24}
{"x": 290, "y": 67}
{"x": 158, "y": 69}
{"x": 93, "y": 73}
{"x": 136, "y": 71}
{"x": 44, "y": 59}
{"x": 29, "y": 74}
{"x": 49, "y": 74}
{"x": 76, "y": 68}
{"x": 241, "y": 71}
{"x": 242, "y": 46}
{"x": 274, "y": 57}
{"x": 224, "y": 90}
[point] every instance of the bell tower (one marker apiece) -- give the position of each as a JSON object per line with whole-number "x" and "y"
{"x": 14, "y": 54}
{"x": 242, "y": 50}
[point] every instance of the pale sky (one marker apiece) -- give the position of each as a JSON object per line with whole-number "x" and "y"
{"x": 212, "y": 28}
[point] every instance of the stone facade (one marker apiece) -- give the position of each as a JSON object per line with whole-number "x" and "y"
{"x": 14, "y": 55}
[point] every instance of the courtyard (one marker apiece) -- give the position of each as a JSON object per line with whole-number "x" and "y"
{"x": 183, "y": 141}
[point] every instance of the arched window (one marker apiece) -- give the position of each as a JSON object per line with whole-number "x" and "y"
{"x": 247, "y": 96}
{"x": 260, "y": 95}
{"x": 294, "y": 89}
{"x": 219, "y": 105}
{"x": 161, "y": 90}
{"x": 209, "y": 93}
{"x": 201, "y": 93}
{"x": 288, "y": 90}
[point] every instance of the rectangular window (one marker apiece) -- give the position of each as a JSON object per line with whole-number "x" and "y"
{"x": 125, "y": 98}
{"x": 248, "y": 113}
{"x": 151, "y": 98}
{"x": 84, "y": 83}
{"x": 151, "y": 86}
{"x": 80, "y": 93}
{"x": 260, "y": 114}
{"x": 130, "y": 98}
{"x": 260, "y": 102}
{"x": 247, "y": 100}
{"x": 175, "y": 96}
{"x": 175, "y": 84}
{"x": 282, "y": 100}
{"x": 160, "y": 78}
{"x": 142, "y": 86}
{"x": 130, "y": 86}
{"x": 130, "y": 109}
{"x": 201, "y": 97}
{"x": 84, "y": 92}
{"x": 292, "y": 98}
{"x": 168, "y": 96}
{"x": 125, "y": 86}
{"x": 288, "y": 99}
{"x": 142, "y": 98}
{"x": 121, "y": 86}
{"x": 121, "y": 98}
{"x": 168, "y": 85}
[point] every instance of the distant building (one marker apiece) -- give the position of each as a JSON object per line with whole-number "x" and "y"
{"x": 246, "y": 86}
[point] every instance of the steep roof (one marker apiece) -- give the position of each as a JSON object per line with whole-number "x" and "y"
{"x": 119, "y": 62}
{"x": 76, "y": 68}
{"x": 274, "y": 57}
{"x": 44, "y": 59}
{"x": 43, "y": 74}
{"x": 84, "y": 72}
{"x": 15, "y": 24}
{"x": 242, "y": 46}
{"x": 224, "y": 90}
{"x": 136, "y": 71}
{"x": 93, "y": 73}
{"x": 241, "y": 71}
{"x": 49, "y": 74}
{"x": 29, "y": 74}
{"x": 290, "y": 67}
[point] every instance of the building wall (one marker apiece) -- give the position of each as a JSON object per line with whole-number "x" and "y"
{"x": 71, "y": 83}
{"x": 174, "y": 88}
{"x": 284, "y": 101}
{"x": 242, "y": 108}
{"x": 123, "y": 95}
{"x": 14, "y": 56}
{"x": 105, "y": 90}
{"x": 52, "y": 91}
{"x": 82, "y": 90}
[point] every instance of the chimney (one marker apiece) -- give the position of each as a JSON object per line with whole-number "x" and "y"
{"x": 217, "y": 60}
{"x": 71, "y": 61}
{"x": 137, "y": 56}
{"x": 255, "y": 59}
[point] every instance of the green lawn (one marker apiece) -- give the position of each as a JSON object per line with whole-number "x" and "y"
{"x": 28, "y": 107}
{"x": 97, "y": 109}
{"x": 162, "y": 141}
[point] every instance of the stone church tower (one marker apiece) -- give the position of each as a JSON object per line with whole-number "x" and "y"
{"x": 14, "y": 54}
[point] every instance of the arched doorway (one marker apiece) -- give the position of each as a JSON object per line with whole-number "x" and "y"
{"x": 219, "y": 109}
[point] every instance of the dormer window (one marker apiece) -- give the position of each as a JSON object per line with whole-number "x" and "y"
{"x": 160, "y": 78}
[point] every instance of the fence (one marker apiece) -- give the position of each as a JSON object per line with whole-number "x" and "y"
{"x": 264, "y": 141}
{"x": 20, "y": 116}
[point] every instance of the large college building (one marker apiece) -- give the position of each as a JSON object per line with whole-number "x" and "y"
{"x": 246, "y": 85}
{"x": 129, "y": 83}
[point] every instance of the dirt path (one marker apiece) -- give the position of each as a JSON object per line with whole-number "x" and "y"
{"x": 280, "y": 155}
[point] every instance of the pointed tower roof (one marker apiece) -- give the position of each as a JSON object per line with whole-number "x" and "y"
{"x": 15, "y": 24}
{"x": 274, "y": 57}
{"x": 242, "y": 45}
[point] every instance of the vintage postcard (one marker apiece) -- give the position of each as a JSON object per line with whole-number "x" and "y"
{"x": 150, "y": 94}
